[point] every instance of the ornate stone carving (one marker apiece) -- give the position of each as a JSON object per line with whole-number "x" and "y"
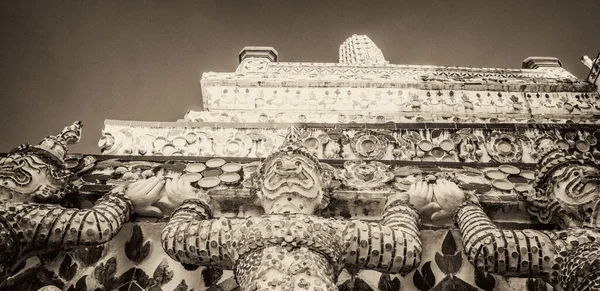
{"x": 32, "y": 177}
{"x": 369, "y": 145}
{"x": 290, "y": 246}
{"x": 504, "y": 147}
{"x": 364, "y": 176}
{"x": 566, "y": 193}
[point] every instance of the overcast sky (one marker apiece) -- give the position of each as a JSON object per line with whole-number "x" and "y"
{"x": 92, "y": 60}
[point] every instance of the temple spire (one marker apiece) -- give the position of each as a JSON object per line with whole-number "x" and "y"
{"x": 360, "y": 49}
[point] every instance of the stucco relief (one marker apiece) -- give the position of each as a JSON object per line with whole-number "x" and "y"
{"x": 290, "y": 246}
{"x": 33, "y": 180}
{"x": 565, "y": 193}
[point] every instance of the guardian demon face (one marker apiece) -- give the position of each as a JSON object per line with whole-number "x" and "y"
{"x": 38, "y": 173}
{"x": 568, "y": 189}
{"x": 28, "y": 177}
{"x": 292, "y": 180}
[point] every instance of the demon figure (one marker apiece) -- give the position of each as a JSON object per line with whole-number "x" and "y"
{"x": 290, "y": 247}
{"x": 32, "y": 179}
{"x": 566, "y": 193}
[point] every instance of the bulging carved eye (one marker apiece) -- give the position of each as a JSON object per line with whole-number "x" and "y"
{"x": 576, "y": 173}
{"x": 298, "y": 164}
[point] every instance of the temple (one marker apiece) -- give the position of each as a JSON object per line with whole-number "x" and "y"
{"x": 356, "y": 175}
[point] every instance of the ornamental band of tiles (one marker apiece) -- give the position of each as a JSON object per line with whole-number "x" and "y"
{"x": 357, "y": 175}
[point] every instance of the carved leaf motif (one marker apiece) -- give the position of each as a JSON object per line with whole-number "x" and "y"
{"x": 162, "y": 274}
{"x": 80, "y": 285}
{"x": 425, "y": 280}
{"x": 68, "y": 268}
{"x": 105, "y": 272}
{"x": 484, "y": 281}
{"x": 135, "y": 249}
{"x": 134, "y": 276}
{"x": 386, "y": 284}
{"x": 449, "y": 264}
{"x": 89, "y": 255}
{"x": 361, "y": 285}
{"x": 182, "y": 286}
{"x": 211, "y": 275}
{"x": 453, "y": 283}
{"x": 449, "y": 245}
{"x": 190, "y": 267}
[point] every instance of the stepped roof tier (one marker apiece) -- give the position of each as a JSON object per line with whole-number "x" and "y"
{"x": 247, "y": 111}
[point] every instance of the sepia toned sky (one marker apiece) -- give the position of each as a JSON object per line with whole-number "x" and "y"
{"x": 92, "y": 60}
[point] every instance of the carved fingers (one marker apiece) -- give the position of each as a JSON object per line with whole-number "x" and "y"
{"x": 421, "y": 197}
{"x": 448, "y": 196}
{"x": 144, "y": 193}
{"x": 178, "y": 189}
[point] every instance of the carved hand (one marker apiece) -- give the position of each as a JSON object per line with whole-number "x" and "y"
{"x": 421, "y": 197}
{"x": 143, "y": 194}
{"x": 178, "y": 189}
{"x": 448, "y": 196}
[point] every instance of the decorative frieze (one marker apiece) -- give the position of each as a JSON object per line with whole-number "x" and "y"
{"x": 501, "y": 143}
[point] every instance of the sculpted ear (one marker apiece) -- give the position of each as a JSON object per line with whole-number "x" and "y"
{"x": 327, "y": 174}
{"x": 251, "y": 175}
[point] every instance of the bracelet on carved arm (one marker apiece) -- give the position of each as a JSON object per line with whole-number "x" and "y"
{"x": 519, "y": 253}
{"x": 192, "y": 237}
{"x": 393, "y": 245}
{"x": 45, "y": 227}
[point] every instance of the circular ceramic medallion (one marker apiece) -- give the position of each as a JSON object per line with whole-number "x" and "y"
{"x": 311, "y": 143}
{"x": 179, "y": 141}
{"x": 448, "y": 159}
{"x": 232, "y": 147}
{"x": 425, "y": 145}
{"x": 215, "y": 163}
{"x": 517, "y": 179}
{"x": 447, "y": 145}
{"x": 582, "y": 146}
{"x": 195, "y": 167}
{"x": 503, "y": 184}
{"x": 529, "y": 175}
{"x": 159, "y": 142}
{"x": 504, "y": 147}
{"x": 231, "y": 167}
{"x": 437, "y": 152}
{"x": 495, "y": 174}
{"x": 428, "y": 158}
{"x": 191, "y": 137}
{"x": 229, "y": 178}
{"x": 191, "y": 177}
{"x": 212, "y": 172}
{"x": 168, "y": 149}
{"x": 509, "y": 169}
{"x": 209, "y": 182}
